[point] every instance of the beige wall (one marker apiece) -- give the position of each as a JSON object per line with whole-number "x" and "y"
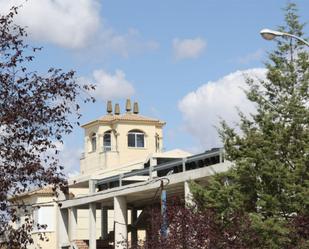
{"x": 83, "y": 224}
{"x": 77, "y": 192}
{"x": 46, "y": 244}
{"x": 50, "y": 240}
{"x": 120, "y": 153}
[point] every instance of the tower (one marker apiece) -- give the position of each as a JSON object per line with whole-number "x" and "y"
{"x": 117, "y": 139}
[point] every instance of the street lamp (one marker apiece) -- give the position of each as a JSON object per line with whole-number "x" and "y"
{"x": 269, "y": 34}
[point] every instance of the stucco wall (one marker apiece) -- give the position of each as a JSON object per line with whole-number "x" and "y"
{"x": 50, "y": 240}
{"x": 120, "y": 153}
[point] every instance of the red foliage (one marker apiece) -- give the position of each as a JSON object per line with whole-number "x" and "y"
{"x": 190, "y": 228}
{"x": 299, "y": 237}
{"x": 35, "y": 112}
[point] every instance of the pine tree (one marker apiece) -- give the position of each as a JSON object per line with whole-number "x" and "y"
{"x": 269, "y": 182}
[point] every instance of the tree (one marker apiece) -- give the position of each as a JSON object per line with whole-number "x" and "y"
{"x": 35, "y": 113}
{"x": 269, "y": 182}
{"x": 191, "y": 228}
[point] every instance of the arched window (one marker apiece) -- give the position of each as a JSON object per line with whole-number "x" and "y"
{"x": 107, "y": 141}
{"x": 93, "y": 142}
{"x": 136, "y": 139}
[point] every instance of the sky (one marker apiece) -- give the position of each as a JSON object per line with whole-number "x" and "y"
{"x": 184, "y": 62}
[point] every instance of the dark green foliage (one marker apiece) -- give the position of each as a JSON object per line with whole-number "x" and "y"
{"x": 269, "y": 181}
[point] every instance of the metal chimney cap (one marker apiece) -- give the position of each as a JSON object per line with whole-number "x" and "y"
{"x": 109, "y": 107}
{"x": 117, "y": 109}
{"x": 135, "y": 108}
{"x": 128, "y": 105}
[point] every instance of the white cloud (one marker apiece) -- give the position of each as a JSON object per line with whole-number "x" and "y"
{"x": 130, "y": 42}
{"x": 111, "y": 86}
{"x": 255, "y": 56}
{"x": 67, "y": 23}
{"x": 75, "y": 24}
{"x": 69, "y": 158}
{"x": 188, "y": 48}
{"x": 203, "y": 108}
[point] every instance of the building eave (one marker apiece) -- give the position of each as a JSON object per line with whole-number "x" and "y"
{"x": 157, "y": 123}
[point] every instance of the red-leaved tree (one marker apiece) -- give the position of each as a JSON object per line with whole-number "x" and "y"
{"x": 35, "y": 113}
{"x": 195, "y": 228}
{"x": 190, "y": 228}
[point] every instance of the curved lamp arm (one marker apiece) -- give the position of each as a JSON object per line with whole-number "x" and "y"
{"x": 269, "y": 34}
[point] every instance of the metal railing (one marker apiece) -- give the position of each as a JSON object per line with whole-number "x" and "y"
{"x": 179, "y": 165}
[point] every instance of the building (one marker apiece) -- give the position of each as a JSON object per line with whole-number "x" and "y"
{"x": 121, "y": 169}
{"x": 42, "y": 206}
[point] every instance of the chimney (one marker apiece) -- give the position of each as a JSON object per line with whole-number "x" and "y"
{"x": 128, "y": 105}
{"x": 117, "y": 109}
{"x": 135, "y": 108}
{"x": 109, "y": 107}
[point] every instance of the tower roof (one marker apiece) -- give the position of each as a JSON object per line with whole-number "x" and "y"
{"x": 126, "y": 117}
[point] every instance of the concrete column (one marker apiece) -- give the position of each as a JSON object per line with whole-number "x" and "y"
{"x": 184, "y": 164}
{"x": 73, "y": 223}
{"x": 92, "y": 217}
{"x": 104, "y": 222}
{"x": 134, "y": 230}
{"x": 92, "y": 226}
{"x": 120, "y": 222}
{"x": 153, "y": 162}
{"x": 92, "y": 186}
{"x": 63, "y": 228}
{"x": 188, "y": 195}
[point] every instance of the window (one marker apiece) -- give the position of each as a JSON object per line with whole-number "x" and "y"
{"x": 107, "y": 142}
{"x": 136, "y": 139}
{"x": 44, "y": 215}
{"x": 93, "y": 142}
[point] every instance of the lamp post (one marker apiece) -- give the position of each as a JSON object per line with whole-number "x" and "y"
{"x": 269, "y": 34}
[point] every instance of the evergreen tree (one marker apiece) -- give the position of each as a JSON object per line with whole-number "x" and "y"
{"x": 269, "y": 182}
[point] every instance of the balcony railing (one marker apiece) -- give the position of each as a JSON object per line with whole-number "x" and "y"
{"x": 177, "y": 166}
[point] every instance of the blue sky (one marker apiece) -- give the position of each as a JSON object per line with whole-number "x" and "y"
{"x": 182, "y": 61}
